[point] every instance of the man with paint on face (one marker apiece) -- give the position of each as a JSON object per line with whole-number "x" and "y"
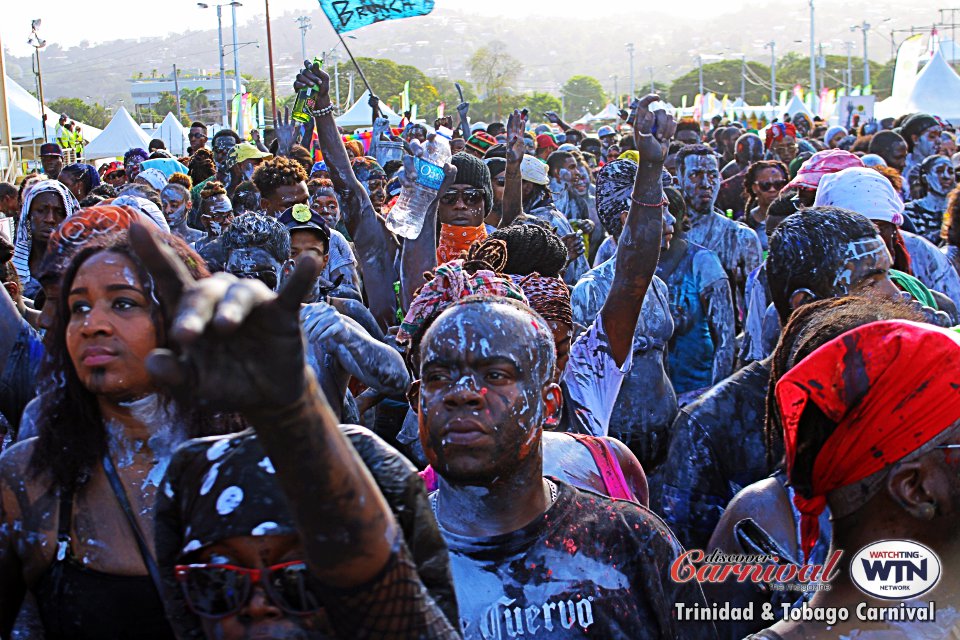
{"x": 736, "y": 244}
{"x": 748, "y": 149}
{"x": 244, "y": 159}
{"x": 216, "y": 216}
{"x": 373, "y": 178}
{"x": 197, "y": 137}
{"x": 339, "y": 272}
{"x": 570, "y": 187}
{"x": 223, "y": 141}
{"x": 608, "y": 136}
{"x": 688, "y": 132}
{"x": 51, "y": 159}
{"x": 921, "y": 131}
{"x": 463, "y": 207}
{"x": 282, "y": 183}
{"x": 175, "y": 198}
{"x": 132, "y": 160}
{"x": 935, "y": 180}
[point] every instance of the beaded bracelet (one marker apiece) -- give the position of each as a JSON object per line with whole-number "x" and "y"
{"x": 663, "y": 202}
{"x": 325, "y": 111}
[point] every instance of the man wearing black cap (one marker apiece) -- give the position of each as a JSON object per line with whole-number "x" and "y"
{"x": 51, "y": 158}
{"x": 921, "y": 131}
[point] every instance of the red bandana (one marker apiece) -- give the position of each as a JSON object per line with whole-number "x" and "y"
{"x": 890, "y": 386}
{"x": 454, "y": 241}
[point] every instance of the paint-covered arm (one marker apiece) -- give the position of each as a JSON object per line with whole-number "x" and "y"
{"x": 512, "y": 206}
{"x": 638, "y": 248}
{"x": 10, "y": 322}
{"x": 375, "y": 245}
{"x": 555, "y": 119}
{"x": 374, "y": 363}
{"x": 13, "y": 588}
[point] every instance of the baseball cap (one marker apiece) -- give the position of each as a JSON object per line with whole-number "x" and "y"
{"x": 248, "y": 151}
{"x": 533, "y": 170}
{"x": 50, "y": 149}
{"x": 301, "y": 216}
{"x": 546, "y": 141}
{"x": 605, "y": 131}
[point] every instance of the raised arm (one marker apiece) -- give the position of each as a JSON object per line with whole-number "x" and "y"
{"x": 222, "y": 329}
{"x": 638, "y": 248}
{"x": 512, "y": 206}
{"x": 555, "y": 119}
{"x": 462, "y": 110}
{"x": 376, "y": 247}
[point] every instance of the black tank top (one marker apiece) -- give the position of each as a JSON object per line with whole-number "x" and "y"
{"x": 76, "y": 603}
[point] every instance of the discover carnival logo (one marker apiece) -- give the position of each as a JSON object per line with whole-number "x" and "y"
{"x": 895, "y": 569}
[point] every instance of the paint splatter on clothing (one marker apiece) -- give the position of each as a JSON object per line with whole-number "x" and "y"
{"x": 737, "y": 246}
{"x": 717, "y": 448}
{"x": 18, "y": 382}
{"x": 931, "y": 267}
{"x": 593, "y": 381}
{"x": 757, "y": 297}
{"x": 731, "y": 197}
{"x": 647, "y": 403}
{"x": 701, "y": 306}
{"x": 561, "y": 225}
{"x": 953, "y": 255}
{"x": 589, "y": 567}
{"x": 926, "y": 222}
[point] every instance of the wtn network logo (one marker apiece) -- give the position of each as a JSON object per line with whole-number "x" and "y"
{"x": 895, "y": 569}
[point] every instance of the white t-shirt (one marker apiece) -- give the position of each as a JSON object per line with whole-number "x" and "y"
{"x": 593, "y": 379}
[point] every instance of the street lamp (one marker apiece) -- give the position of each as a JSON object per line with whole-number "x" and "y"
{"x": 305, "y": 26}
{"x": 865, "y": 27}
{"x": 813, "y": 62}
{"x": 773, "y": 71}
{"x": 38, "y": 43}
{"x": 630, "y": 50}
{"x": 223, "y": 77}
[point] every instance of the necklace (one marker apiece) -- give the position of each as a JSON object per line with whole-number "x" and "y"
{"x": 554, "y": 491}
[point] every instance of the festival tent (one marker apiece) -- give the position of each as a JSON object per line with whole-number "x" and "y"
{"x": 361, "y": 115}
{"x": 795, "y": 106}
{"x": 936, "y": 90}
{"x": 24, "y": 110}
{"x": 121, "y": 135}
{"x": 609, "y": 112}
{"x": 173, "y": 134}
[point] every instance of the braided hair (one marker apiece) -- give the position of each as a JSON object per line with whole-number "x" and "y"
{"x": 530, "y": 249}
{"x": 750, "y": 179}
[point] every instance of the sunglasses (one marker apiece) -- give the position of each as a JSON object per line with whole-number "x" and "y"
{"x": 196, "y": 135}
{"x": 771, "y": 185}
{"x": 221, "y": 590}
{"x": 471, "y": 197}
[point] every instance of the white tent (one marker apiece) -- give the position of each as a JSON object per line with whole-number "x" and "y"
{"x": 361, "y": 115}
{"x": 936, "y": 91}
{"x": 121, "y": 135}
{"x": 795, "y": 106}
{"x": 609, "y": 112}
{"x": 173, "y": 135}
{"x": 25, "y": 122}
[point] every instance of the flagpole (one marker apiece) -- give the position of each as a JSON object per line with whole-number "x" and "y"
{"x": 353, "y": 60}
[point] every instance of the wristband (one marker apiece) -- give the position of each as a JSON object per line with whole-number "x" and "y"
{"x": 325, "y": 111}
{"x": 663, "y": 202}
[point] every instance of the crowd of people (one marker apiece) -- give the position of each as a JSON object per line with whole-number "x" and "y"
{"x": 235, "y": 405}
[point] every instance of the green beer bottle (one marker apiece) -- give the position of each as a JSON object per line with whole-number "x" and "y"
{"x": 306, "y": 101}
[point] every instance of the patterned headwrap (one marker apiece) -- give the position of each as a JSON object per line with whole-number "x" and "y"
{"x": 91, "y": 178}
{"x": 777, "y": 131}
{"x": 614, "y": 188}
{"x": 21, "y": 251}
{"x": 548, "y": 296}
{"x": 145, "y": 207}
{"x": 449, "y": 283}
{"x": 366, "y": 168}
{"x": 481, "y": 141}
{"x": 890, "y": 386}
{"x": 153, "y": 177}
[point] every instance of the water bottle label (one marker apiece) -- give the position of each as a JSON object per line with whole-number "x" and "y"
{"x": 428, "y": 174}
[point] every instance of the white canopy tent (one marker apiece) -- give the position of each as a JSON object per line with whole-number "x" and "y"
{"x": 936, "y": 90}
{"x": 361, "y": 115}
{"x": 173, "y": 135}
{"x": 121, "y": 135}
{"x": 25, "y": 124}
{"x": 795, "y": 105}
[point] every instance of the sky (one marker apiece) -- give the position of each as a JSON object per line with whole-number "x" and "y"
{"x": 69, "y": 22}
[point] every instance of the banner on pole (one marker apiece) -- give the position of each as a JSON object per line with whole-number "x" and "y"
{"x": 347, "y": 15}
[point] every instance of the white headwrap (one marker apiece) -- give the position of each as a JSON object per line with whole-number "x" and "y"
{"x": 145, "y": 207}
{"x": 862, "y": 190}
{"x": 24, "y": 237}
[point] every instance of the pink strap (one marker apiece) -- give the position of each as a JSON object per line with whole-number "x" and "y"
{"x": 608, "y": 466}
{"x": 429, "y": 477}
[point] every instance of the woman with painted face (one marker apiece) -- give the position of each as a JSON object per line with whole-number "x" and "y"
{"x": 132, "y": 160}
{"x": 761, "y": 186}
{"x": 935, "y": 180}
{"x": 176, "y": 208}
{"x": 77, "y": 501}
{"x": 373, "y": 178}
{"x": 216, "y": 216}
{"x": 45, "y": 206}
{"x": 701, "y": 351}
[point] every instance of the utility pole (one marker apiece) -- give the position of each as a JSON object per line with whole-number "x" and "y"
{"x": 223, "y": 77}
{"x": 653, "y": 88}
{"x": 630, "y": 49}
{"x": 865, "y": 28}
{"x": 236, "y": 49}
{"x": 813, "y": 66}
{"x": 304, "y": 22}
{"x": 822, "y": 63}
{"x": 273, "y": 83}
{"x": 176, "y": 90}
{"x": 616, "y": 90}
{"x": 38, "y": 43}
{"x": 849, "y": 44}
{"x": 700, "y": 74}
{"x": 773, "y": 71}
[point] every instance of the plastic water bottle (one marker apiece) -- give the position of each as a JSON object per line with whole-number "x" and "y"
{"x": 406, "y": 217}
